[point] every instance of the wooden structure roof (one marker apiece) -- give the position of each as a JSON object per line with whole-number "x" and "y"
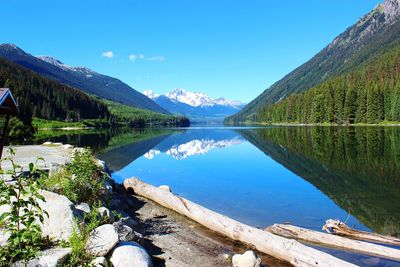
{"x": 8, "y": 105}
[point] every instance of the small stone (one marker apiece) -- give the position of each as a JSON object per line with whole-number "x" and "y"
{"x": 130, "y": 254}
{"x": 68, "y": 146}
{"x": 99, "y": 262}
{"x": 102, "y": 240}
{"x": 105, "y": 213}
{"x": 247, "y": 259}
{"x": 125, "y": 233}
{"x": 47, "y": 143}
{"x": 83, "y": 207}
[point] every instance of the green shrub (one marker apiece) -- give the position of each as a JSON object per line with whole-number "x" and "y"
{"x": 21, "y": 221}
{"x": 81, "y": 180}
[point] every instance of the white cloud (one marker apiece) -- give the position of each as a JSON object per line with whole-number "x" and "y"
{"x": 107, "y": 54}
{"x": 157, "y": 58}
{"x": 132, "y": 57}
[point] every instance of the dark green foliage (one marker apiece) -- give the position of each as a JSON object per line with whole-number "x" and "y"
{"x": 140, "y": 118}
{"x": 368, "y": 95}
{"x": 48, "y": 99}
{"x": 18, "y": 130}
{"x": 20, "y": 221}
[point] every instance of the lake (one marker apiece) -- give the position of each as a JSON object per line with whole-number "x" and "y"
{"x": 261, "y": 176}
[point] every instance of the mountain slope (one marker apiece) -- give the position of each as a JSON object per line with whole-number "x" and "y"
{"x": 369, "y": 95}
{"x": 372, "y": 35}
{"x": 196, "y": 106}
{"x": 46, "y": 98}
{"x": 81, "y": 78}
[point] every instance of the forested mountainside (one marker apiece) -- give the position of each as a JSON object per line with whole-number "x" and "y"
{"x": 368, "y": 95}
{"x": 48, "y": 99}
{"x": 60, "y": 105}
{"x": 374, "y": 34}
{"x": 81, "y": 78}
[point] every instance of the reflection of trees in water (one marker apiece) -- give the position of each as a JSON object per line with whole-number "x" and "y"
{"x": 358, "y": 168}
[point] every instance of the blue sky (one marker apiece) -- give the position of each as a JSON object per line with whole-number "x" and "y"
{"x": 229, "y": 48}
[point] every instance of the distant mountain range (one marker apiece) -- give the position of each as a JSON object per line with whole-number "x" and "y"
{"x": 195, "y": 105}
{"x": 371, "y": 36}
{"x": 81, "y": 78}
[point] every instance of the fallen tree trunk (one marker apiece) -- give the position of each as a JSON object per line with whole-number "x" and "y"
{"x": 340, "y": 228}
{"x": 333, "y": 241}
{"x": 285, "y": 249}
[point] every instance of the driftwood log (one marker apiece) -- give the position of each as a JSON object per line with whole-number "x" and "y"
{"x": 333, "y": 241}
{"x": 285, "y": 249}
{"x": 340, "y": 228}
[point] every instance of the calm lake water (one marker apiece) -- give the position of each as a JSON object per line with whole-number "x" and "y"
{"x": 262, "y": 176}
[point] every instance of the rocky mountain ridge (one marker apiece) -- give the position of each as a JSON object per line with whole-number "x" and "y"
{"x": 369, "y": 37}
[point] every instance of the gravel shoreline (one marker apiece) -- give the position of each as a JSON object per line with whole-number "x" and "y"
{"x": 174, "y": 240}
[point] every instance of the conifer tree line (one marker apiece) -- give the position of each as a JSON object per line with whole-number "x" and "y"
{"x": 44, "y": 98}
{"x": 370, "y": 94}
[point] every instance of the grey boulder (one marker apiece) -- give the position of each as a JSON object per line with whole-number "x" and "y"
{"x": 102, "y": 240}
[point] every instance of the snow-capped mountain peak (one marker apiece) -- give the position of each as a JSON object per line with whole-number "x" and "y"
{"x": 195, "y": 99}
{"x": 150, "y": 94}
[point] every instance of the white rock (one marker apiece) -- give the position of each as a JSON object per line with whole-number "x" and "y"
{"x": 68, "y": 146}
{"x": 99, "y": 262}
{"x": 49, "y": 258}
{"x": 83, "y": 207}
{"x": 54, "y": 257}
{"x": 102, "y": 240}
{"x": 4, "y": 236}
{"x": 247, "y": 259}
{"x": 165, "y": 188}
{"x": 130, "y": 254}
{"x": 47, "y": 143}
{"x": 59, "y": 224}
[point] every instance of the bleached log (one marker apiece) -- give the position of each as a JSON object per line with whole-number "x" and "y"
{"x": 334, "y": 241}
{"x": 340, "y": 228}
{"x": 285, "y": 249}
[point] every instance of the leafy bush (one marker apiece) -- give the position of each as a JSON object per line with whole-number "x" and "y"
{"x": 22, "y": 197}
{"x": 81, "y": 180}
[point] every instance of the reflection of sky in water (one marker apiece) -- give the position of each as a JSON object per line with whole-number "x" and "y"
{"x": 233, "y": 177}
